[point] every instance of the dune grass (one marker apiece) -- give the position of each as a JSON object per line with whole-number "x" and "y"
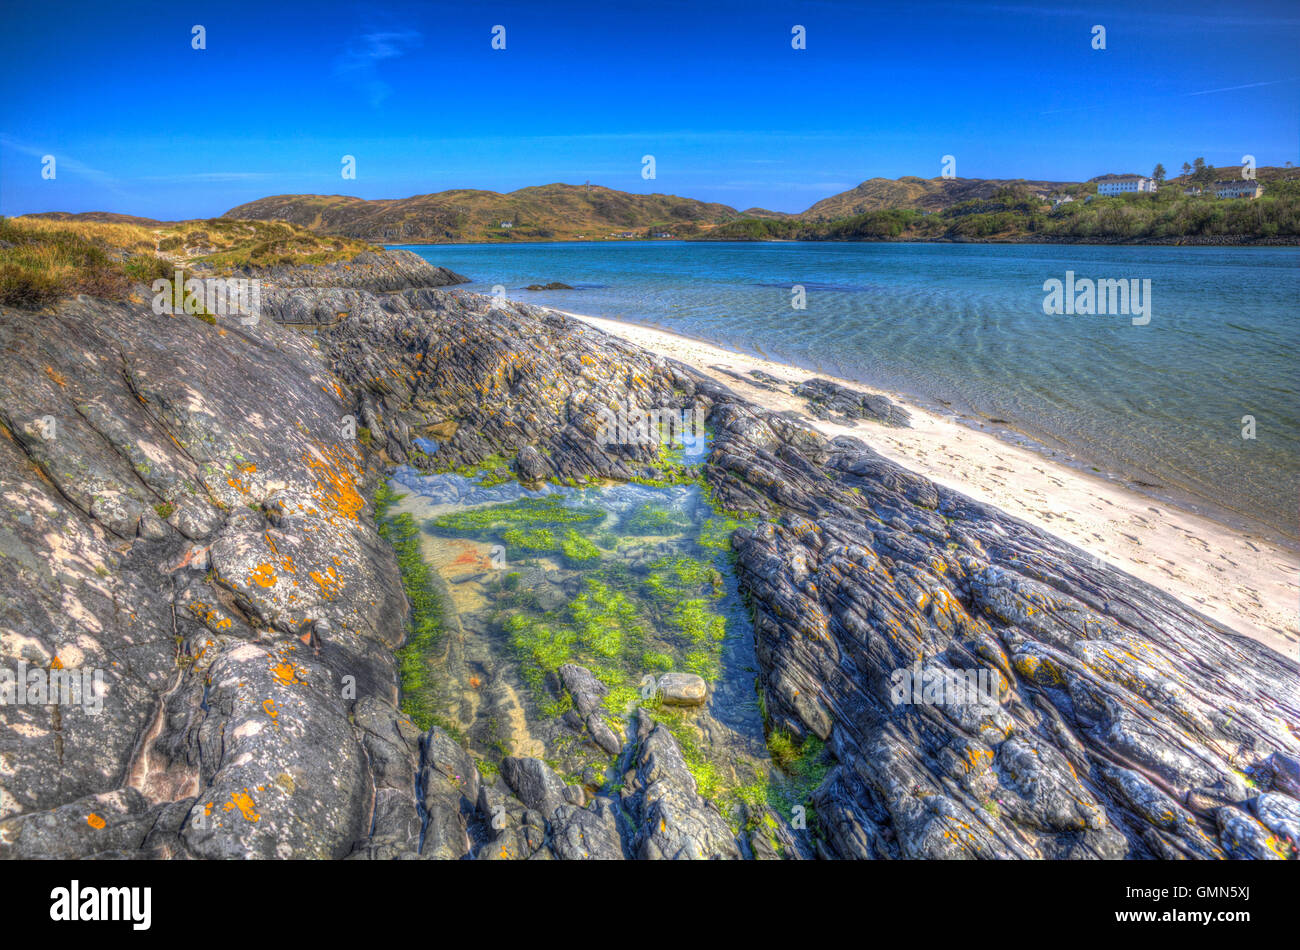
{"x": 226, "y": 244}
{"x": 43, "y": 260}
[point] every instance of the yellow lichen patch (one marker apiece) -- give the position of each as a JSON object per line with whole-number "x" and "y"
{"x": 336, "y": 483}
{"x": 1038, "y": 669}
{"x": 946, "y": 602}
{"x": 244, "y": 802}
{"x": 263, "y": 576}
{"x": 975, "y": 759}
{"x": 286, "y": 673}
{"x": 1282, "y": 850}
{"x": 283, "y": 669}
{"x": 285, "y": 561}
{"x": 330, "y": 583}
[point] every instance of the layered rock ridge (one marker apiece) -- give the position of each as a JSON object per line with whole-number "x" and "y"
{"x": 183, "y": 507}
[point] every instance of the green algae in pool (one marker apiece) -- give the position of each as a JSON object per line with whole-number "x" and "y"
{"x": 628, "y": 580}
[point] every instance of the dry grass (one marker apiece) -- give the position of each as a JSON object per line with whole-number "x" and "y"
{"x": 126, "y": 237}
{"x": 42, "y": 260}
{"x": 236, "y": 245}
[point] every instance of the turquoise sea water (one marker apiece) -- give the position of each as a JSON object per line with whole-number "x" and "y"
{"x": 962, "y": 326}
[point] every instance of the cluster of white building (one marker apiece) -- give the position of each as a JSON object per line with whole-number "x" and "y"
{"x": 1126, "y": 184}
{"x": 1238, "y": 189}
{"x": 1130, "y": 184}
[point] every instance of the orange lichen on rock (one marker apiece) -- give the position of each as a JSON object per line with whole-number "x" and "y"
{"x": 95, "y": 821}
{"x": 330, "y": 583}
{"x": 244, "y": 802}
{"x": 336, "y": 489}
{"x": 286, "y": 673}
{"x": 283, "y": 670}
{"x": 263, "y": 576}
{"x": 285, "y": 560}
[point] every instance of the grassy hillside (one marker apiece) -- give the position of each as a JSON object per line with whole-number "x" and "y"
{"x": 1018, "y": 214}
{"x": 45, "y": 257}
{"x": 546, "y": 212}
{"x": 107, "y": 217}
{"x": 922, "y": 194}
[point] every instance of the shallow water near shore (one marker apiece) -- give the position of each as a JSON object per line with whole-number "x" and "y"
{"x": 627, "y": 580}
{"x": 962, "y": 327}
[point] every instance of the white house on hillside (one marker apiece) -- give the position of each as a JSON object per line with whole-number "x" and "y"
{"x": 1238, "y": 189}
{"x": 1125, "y": 185}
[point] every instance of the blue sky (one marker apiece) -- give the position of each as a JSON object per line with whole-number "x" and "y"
{"x": 140, "y": 123}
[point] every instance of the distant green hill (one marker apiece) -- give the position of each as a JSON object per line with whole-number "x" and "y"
{"x": 909, "y": 209}
{"x": 922, "y": 194}
{"x": 1019, "y": 212}
{"x": 546, "y": 212}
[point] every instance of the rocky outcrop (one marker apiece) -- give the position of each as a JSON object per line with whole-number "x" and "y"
{"x": 1105, "y": 719}
{"x": 183, "y": 509}
{"x": 828, "y": 400}
{"x": 676, "y": 823}
{"x": 659, "y": 813}
{"x": 326, "y": 294}
{"x": 183, "y": 515}
{"x": 180, "y": 505}
{"x": 587, "y": 693}
{"x": 378, "y": 272}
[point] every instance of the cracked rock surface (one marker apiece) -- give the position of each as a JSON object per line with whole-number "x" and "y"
{"x": 183, "y": 507}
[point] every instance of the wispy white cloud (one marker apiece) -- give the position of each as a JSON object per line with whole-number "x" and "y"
{"x": 1249, "y": 85}
{"x": 1151, "y": 99}
{"x": 358, "y": 63}
{"x": 211, "y": 176}
{"x": 64, "y": 161}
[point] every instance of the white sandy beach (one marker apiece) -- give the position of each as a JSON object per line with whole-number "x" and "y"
{"x": 1244, "y": 582}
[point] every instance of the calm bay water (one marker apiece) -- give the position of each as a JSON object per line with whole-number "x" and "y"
{"x": 962, "y": 326}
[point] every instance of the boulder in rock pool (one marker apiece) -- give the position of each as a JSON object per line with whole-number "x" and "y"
{"x": 683, "y": 689}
